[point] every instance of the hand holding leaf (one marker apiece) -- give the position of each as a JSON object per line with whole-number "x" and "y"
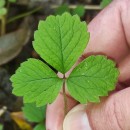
{"x": 60, "y": 41}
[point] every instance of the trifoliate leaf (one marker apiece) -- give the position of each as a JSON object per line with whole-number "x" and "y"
{"x": 36, "y": 82}
{"x": 60, "y": 40}
{"x": 40, "y": 127}
{"x": 13, "y": 1}
{"x": 33, "y": 113}
{"x": 2, "y": 3}
{"x": 93, "y": 77}
{"x": 79, "y": 10}
{"x": 62, "y": 9}
{"x": 3, "y": 11}
{"x": 105, "y": 3}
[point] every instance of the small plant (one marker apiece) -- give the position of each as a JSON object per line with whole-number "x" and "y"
{"x": 105, "y": 3}
{"x": 35, "y": 115}
{"x": 4, "y": 10}
{"x": 3, "y": 13}
{"x": 79, "y": 10}
{"x": 60, "y": 41}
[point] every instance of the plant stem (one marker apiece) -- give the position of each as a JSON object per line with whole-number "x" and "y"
{"x": 87, "y": 7}
{"x": 3, "y": 25}
{"x": 8, "y": 5}
{"x": 23, "y": 15}
{"x": 65, "y": 98}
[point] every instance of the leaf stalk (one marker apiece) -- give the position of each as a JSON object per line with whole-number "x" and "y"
{"x": 3, "y": 25}
{"x": 65, "y": 97}
{"x": 23, "y": 15}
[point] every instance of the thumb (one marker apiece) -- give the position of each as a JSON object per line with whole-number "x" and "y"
{"x": 113, "y": 113}
{"x": 77, "y": 119}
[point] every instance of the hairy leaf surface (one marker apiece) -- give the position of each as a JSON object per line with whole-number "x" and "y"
{"x": 93, "y": 77}
{"x": 36, "y": 82}
{"x": 60, "y": 40}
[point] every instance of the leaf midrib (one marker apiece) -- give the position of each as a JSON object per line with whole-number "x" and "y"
{"x": 63, "y": 71}
{"x": 86, "y": 76}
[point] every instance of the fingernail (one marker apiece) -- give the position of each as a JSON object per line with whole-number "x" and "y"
{"x": 77, "y": 119}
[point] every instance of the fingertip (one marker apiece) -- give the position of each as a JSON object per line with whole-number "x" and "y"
{"x": 77, "y": 119}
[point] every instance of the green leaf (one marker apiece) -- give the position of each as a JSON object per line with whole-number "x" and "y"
{"x": 93, "y": 77}
{"x": 1, "y": 127}
{"x": 3, "y": 11}
{"x": 13, "y": 1}
{"x": 2, "y": 3}
{"x": 60, "y": 40}
{"x": 105, "y": 3}
{"x": 40, "y": 127}
{"x": 33, "y": 113}
{"x": 36, "y": 82}
{"x": 79, "y": 10}
{"x": 62, "y": 9}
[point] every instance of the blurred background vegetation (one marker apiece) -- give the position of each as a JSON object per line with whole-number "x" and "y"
{"x": 18, "y": 21}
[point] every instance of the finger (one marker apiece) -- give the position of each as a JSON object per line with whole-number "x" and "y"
{"x": 110, "y": 35}
{"x": 112, "y": 38}
{"x": 112, "y": 114}
{"x": 55, "y": 112}
{"x": 107, "y": 32}
{"x": 114, "y": 46}
{"x": 124, "y": 67}
{"x": 77, "y": 119}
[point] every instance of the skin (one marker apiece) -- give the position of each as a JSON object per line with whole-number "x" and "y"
{"x": 110, "y": 35}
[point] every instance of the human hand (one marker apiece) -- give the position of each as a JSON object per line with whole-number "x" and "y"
{"x": 110, "y": 35}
